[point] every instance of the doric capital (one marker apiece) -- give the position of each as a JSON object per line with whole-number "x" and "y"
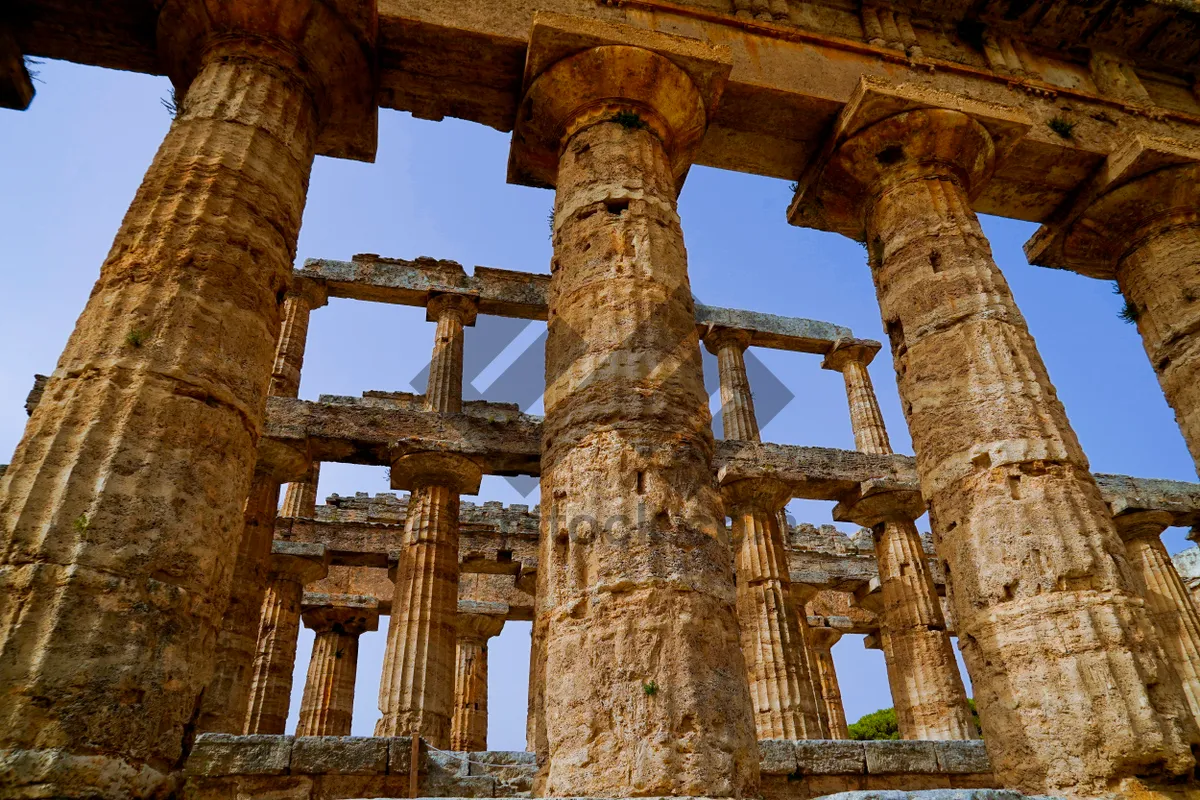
{"x": 821, "y": 635}
{"x": 1148, "y": 185}
{"x": 327, "y": 43}
{"x": 755, "y": 494}
{"x": 579, "y": 72}
{"x": 340, "y": 613}
{"x": 844, "y": 351}
{"x": 869, "y": 596}
{"x": 716, "y": 338}
{"x": 299, "y": 562}
{"x": 313, "y": 293}
{"x": 887, "y": 134}
{"x": 477, "y": 621}
{"x": 880, "y": 500}
{"x": 436, "y": 469}
{"x": 464, "y": 306}
{"x": 1142, "y": 524}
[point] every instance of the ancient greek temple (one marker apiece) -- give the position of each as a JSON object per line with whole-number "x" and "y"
{"x": 152, "y": 587}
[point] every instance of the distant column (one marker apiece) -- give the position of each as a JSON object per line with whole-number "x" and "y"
{"x": 337, "y": 622}
{"x": 477, "y": 622}
{"x": 294, "y": 564}
{"x": 823, "y": 639}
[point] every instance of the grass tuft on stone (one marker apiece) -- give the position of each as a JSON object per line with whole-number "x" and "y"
{"x": 1062, "y": 127}
{"x": 650, "y": 689}
{"x": 136, "y": 337}
{"x": 172, "y": 104}
{"x": 1129, "y": 313}
{"x": 630, "y": 120}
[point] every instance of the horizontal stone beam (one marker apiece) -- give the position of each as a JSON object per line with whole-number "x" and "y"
{"x": 523, "y": 295}
{"x": 790, "y": 77}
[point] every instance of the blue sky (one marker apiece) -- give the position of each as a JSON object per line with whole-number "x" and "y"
{"x": 73, "y": 161}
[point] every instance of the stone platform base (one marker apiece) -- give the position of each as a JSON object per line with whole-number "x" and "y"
{"x": 339, "y": 768}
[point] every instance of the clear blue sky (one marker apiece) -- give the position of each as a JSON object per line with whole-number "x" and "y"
{"x": 71, "y": 164}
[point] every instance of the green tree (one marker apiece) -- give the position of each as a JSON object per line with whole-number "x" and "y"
{"x": 876, "y": 725}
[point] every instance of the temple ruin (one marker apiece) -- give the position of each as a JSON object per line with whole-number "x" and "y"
{"x": 152, "y": 587}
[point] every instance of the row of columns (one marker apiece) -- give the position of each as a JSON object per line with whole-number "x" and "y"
{"x": 129, "y": 479}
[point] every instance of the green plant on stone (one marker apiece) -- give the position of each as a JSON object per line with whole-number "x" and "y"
{"x": 550, "y": 222}
{"x": 650, "y": 689}
{"x": 1129, "y": 313}
{"x": 1062, "y": 127}
{"x": 172, "y": 104}
{"x": 81, "y": 523}
{"x": 629, "y": 119}
{"x": 136, "y": 337}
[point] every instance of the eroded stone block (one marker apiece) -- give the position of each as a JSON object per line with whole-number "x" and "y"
{"x": 830, "y": 757}
{"x": 962, "y": 758}
{"x": 343, "y": 755}
{"x": 224, "y": 754}
{"x": 900, "y": 756}
{"x": 777, "y": 756}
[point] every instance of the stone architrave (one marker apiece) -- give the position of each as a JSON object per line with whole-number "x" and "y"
{"x": 927, "y": 690}
{"x": 1168, "y": 603}
{"x": 772, "y": 634}
{"x": 293, "y": 564}
{"x": 1072, "y": 696}
{"x": 223, "y": 709}
{"x": 476, "y": 622}
{"x": 416, "y": 693}
{"x": 130, "y": 480}
{"x": 337, "y": 621}
{"x": 1138, "y": 223}
{"x": 822, "y": 639}
{"x": 636, "y": 624}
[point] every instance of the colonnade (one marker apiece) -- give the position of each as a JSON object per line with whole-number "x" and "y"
{"x": 135, "y": 480}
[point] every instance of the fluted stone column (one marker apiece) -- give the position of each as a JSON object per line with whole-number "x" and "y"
{"x": 645, "y": 690}
{"x": 822, "y": 639}
{"x": 293, "y": 564}
{"x": 1187, "y": 564}
{"x": 223, "y": 709}
{"x": 772, "y": 635}
{"x": 416, "y": 693}
{"x": 927, "y": 690}
{"x": 130, "y": 479}
{"x": 337, "y": 621}
{"x": 477, "y": 622}
{"x": 300, "y": 500}
{"x": 1016, "y": 513}
{"x": 1140, "y": 225}
{"x": 1168, "y": 603}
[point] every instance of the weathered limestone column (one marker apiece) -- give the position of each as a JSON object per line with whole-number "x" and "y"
{"x": 338, "y": 620}
{"x": 223, "y": 709}
{"x": 294, "y": 564}
{"x": 772, "y": 635}
{"x": 1168, "y": 602}
{"x": 416, "y": 693}
{"x": 1139, "y": 224}
{"x": 1073, "y": 698}
{"x": 477, "y": 622}
{"x": 823, "y": 638}
{"x": 644, "y": 683}
{"x": 130, "y": 479}
{"x": 927, "y": 690}
{"x": 300, "y": 500}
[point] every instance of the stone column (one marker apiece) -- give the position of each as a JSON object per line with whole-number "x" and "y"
{"x": 1017, "y": 515}
{"x": 300, "y": 500}
{"x": 416, "y": 693}
{"x": 927, "y": 689}
{"x": 223, "y": 709}
{"x": 293, "y": 564}
{"x": 1139, "y": 224}
{"x": 1168, "y": 603}
{"x": 645, "y": 690}
{"x": 822, "y": 639}
{"x": 130, "y": 479}
{"x": 1187, "y": 564}
{"x": 477, "y": 622}
{"x": 337, "y": 620}
{"x": 772, "y": 635}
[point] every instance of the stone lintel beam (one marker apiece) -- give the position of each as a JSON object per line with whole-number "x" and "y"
{"x": 16, "y": 84}
{"x": 829, "y": 199}
{"x": 522, "y": 295}
{"x": 812, "y": 473}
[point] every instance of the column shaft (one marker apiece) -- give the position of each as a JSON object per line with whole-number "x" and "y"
{"x": 328, "y": 705}
{"x": 469, "y": 726}
{"x": 823, "y": 640}
{"x": 1019, "y": 518}
{"x": 130, "y": 479}
{"x": 300, "y": 500}
{"x": 275, "y": 658}
{"x": 737, "y": 402}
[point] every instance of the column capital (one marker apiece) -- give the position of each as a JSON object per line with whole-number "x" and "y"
{"x": 845, "y": 351}
{"x": 327, "y": 43}
{"x": 579, "y": 72}
{"x": 299, "y": 562}
{"x": 885, "y": 132}
{"x": 313, "y": 293}
{"x": 413, "y": 470}
{"x": 716, "y": 337}
{"x": 822, "y": 636}
{"x": 1148, "y": 184}
{"x": 880, "y": 500}
{"x": 763, "y": 494}
{"x": 339, "y": 613}
{"x": 479, "y": 621}
{"x": 465, "y": 306}
{"x": 1142, "y": 524}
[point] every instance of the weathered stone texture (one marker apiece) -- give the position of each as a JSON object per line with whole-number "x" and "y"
{"x": 476, "y": 623}
{"x": 338, "y": 621}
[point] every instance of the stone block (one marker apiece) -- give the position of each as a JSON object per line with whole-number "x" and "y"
{"x": 962, "y": 758}
{"x": 340, "y": 755}
{"x": 224, "y": 754}
{"x": 777, "y": 756}
{"x": 399, "y": 754}
{"x": 830, "y": 757}
{"x": 891, "y": 757}
{"x": 513, "y": 771}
